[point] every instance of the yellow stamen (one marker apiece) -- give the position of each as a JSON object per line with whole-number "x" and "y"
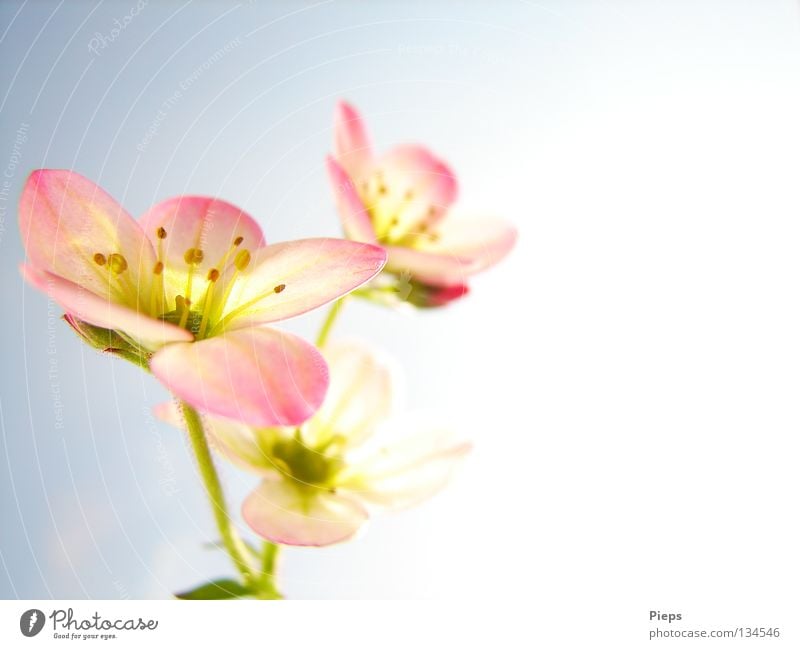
{"x": 213, "y": 276}
{"x": 155, "y": 295}
{"x": 158, "y": 294}
{"x": 242, "y": 307}
{"x": 240, "y": 263}
{"x": 182, "y": 305}
{"x": 117, "y": 264}
{"x": 193, "y": 257}
{"x": 99, "y": 259}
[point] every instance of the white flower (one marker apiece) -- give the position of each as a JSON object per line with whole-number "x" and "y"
{"x": 321, "y": 480}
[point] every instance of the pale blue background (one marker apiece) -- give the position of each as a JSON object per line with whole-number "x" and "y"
{"x": 647, "y": 151}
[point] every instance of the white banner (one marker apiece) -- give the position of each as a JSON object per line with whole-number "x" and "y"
{"x": 323, "y": 624}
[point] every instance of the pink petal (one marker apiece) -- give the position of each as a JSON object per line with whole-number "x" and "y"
{"x": 65, "y": 220}
{"x": 102, "y": 312}
{"x": 351, "y": 144}
{"x": 354, "y": 215}
{"x": 235, "y": 441}
{"x": 360, "y": 395}
{"x": 262, "y": 377}
{"x": 422, "y": 172}
{"x": 405, "y": 473}
{"x": 285, "y": 513}
{"x": 463, "y": 249}
{"x": 201, "y": 223}
{"x": 288, "y": 279}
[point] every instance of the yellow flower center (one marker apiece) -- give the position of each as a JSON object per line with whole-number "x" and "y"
{"x": 197, "y": 307}
{"x": 399, "y": 216}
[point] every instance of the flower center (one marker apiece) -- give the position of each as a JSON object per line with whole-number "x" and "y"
{"x": 399, "y": 215}
{"x": 197, "y": 320}
{"x": 199, "y": 307}
{"x": 308, "y": 466}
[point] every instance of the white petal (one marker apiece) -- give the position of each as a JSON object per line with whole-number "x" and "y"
{"x": 407, "y": 472}
{"x": 285, "y": 513}
{"x": 360, "y": 396}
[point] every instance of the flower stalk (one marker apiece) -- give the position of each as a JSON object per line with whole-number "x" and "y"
{"x": 330, "y": 319}
{"x": 233, "y": 543}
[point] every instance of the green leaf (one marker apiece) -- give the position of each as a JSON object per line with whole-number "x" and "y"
{"x": 217, "y": 589}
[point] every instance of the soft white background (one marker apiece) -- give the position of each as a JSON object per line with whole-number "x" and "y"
{"x": 630, "y": 374}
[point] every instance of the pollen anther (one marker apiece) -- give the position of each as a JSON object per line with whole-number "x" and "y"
{"x": 279, "y": 288}
{"x": 99, "y": 259}
{"x": 158, "y": 268}
{"x": 193, "y": 256}
{"x": 213, "y": 275}
{"x": 161, "y": 233}
{"x": 242, "y": 260}
{"x": 117, "y": 263}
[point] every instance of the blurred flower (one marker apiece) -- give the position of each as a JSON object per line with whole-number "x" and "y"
{"x": 402, "y": 201}
{"x": 189, "y": 282}
{"x": 320, "y": 479}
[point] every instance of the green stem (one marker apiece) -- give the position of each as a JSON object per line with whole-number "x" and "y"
{"x": 268, "y": 558}
{"x": 230, "y": 538}
{"x": 333, "y": 313}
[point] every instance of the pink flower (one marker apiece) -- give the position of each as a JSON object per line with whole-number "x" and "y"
{"x": 402, "y": 200}
{"x": 185, "y": 286}
{"x": 319, "y": 481}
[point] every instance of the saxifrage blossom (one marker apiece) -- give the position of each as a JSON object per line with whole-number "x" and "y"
{"x": 186, "y": 286}
{"x": 402, "y": 200}
{"x": 320, "y": 480}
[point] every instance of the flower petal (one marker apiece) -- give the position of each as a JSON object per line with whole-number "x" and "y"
{"x": 351, "y": 144}
{"x": 285, "y": 513}
{"x": 288, "y": 279}
{"x": 235, "y": 441}
{"x": 360, "y": 395}
{"x": 407, "y": 472}
{"x": 352, "y": 211}
{"x": 202, "y": 224}
{"x": 262, "y": 377}
{"x": 102, "y": 312}
{"x": 464, "y": 247}
{"x": 65, "y": 220}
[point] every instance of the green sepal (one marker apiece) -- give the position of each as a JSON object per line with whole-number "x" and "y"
{"x": 109, "y": 341}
